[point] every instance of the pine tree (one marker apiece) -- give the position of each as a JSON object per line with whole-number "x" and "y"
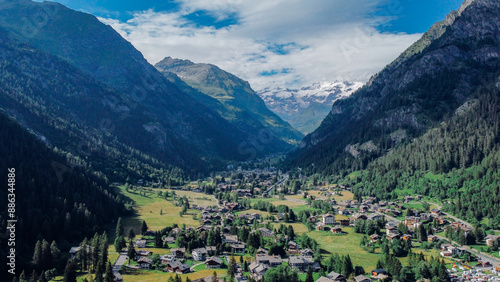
{"x": 37, "y": 255}
{"x": 309, "y": 276}
{"x": 131, "y": 251}
{"x": 55, "y": 253}
{"x": 46, "y": 255}
{"x": 34, "y": 276}
{"x": 119, "y": 228}
{"x": 109, "y": 277}
{"x": 131, "y": 234}
{"x": 69, "y": 272}
{"x": 144, "y": 227}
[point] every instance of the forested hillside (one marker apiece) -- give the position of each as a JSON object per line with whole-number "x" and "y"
{"x": 54, "y": 201}
{"x": 459, "y": 160}
{"x": 417, "y": 92}
{"x": 426, "y": 124}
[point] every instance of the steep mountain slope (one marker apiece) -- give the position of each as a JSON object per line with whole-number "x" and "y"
{"x": 306, "y": 107}
{"x": 242, "y": 106}
{"x": 54, "y": 200}
{"x": 135, "y": 104}
{"x": 418, "y": 91}
{"x": 69, "y": 110}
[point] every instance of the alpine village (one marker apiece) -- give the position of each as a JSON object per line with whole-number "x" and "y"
{"x": 178, "y": 171}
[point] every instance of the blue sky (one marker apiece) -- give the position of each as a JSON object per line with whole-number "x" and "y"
{"x": 271, "y": 43}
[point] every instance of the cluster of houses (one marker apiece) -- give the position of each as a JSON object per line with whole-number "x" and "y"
{"x": 299, "y": 259}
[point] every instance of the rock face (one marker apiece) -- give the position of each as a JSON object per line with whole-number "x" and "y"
{"x": 421, "y": 88}
{"x": 306, "y": 107}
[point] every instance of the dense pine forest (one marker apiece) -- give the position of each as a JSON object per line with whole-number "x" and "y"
{"x": 54, "y": 201}
{"x": 460, "y": 160}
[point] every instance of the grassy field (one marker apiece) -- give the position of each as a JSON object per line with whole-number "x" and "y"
{"x": 298, "y": 227}
{"x": 346, "y": 195}
{"x": 148, "y": 208}
{"x": 287, "y": 203}
{"x": 155, "y": 275}
{"x": 346, "y": 244}
{"x": 255, "y": 200}
{"x": 199, "y": 199}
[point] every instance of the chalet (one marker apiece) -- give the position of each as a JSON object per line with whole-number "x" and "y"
{"x": 374, "y": 216}
{"x": 140, "y": 243}
{"x": 237, "y": 248}
{"x": 300, "y": 262}
{"x": 211, "y": 250}
{"x": 336, "y": 230}
{"x": 177, "y": 267}
{"x": 213, "y": 262}
{"x": 257, "y": 270}
{"x": 169, "y": 240}
{"x": 343, "y": 211}
{"x": 436, "y": 212}
{"x": 363, "y": 208}
{"x": 407, "y": 237}
{"x": 167, "y": 259}
{"x": 413, "y": 222}
{"x": 379, "y": 273}
{"x": 408, "y": 199}
{"x": 73, "y": 251}
{"x": 262, "y": 251}
{"x": 432, "y": 238}
{"x": 179, "y": 253}
{"x": 142, "y": 254}
{"x": 266, "y": 232}
{"x": 396, "y": 213}
{"x": 357, "y": 216}
{"x": 199, "y": 254}
{"x": 334, "y": 276}
{"x": 293, "y": 248}
{"x": 324, "y": 279}
{"x": 312, "y": 219}
{"x": 392, "y": 236}
{"x": 231, "y": 239}
{"x": 328, "y": 219}
{"x": 232, "y": 206}
{"x": 344, "y": 222}
{"x": 490, "y": 239}
{"x": 207, "y": 222}
{"x": 272, "y": 261}
{"x": 362, "y": 278}
{"x": 145, "y": 263}
{"x": 391, "y": 230}
{"x": 307, "y": 253}
{"x": 374, "y": 238}
{"x": 441, "y": 220}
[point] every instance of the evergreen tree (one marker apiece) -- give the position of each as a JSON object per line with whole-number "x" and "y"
{"x": 55, "y": 253}
{"x": 37, "y": 255}
{"x": 119, "y": 244}
{"x": 131, "y": 251}
{"x": 131, "y": 234}
{"x": 309, "y": 275}
{"x": 422, "y": 233}
{"x": 109, "y": 277}
{"x": 119, "y": 228}
{"x": 144, "y": 227}
{"x": 70, "y": 272}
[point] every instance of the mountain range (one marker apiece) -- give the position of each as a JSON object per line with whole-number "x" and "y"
{"x": 83, "y": 89}
{"x": 232, "y": 98}
{"x": 427, "y": 123}
{"x": 305, "y": 108}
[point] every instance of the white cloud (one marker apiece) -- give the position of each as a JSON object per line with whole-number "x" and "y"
{"x": 327, "y": 39}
